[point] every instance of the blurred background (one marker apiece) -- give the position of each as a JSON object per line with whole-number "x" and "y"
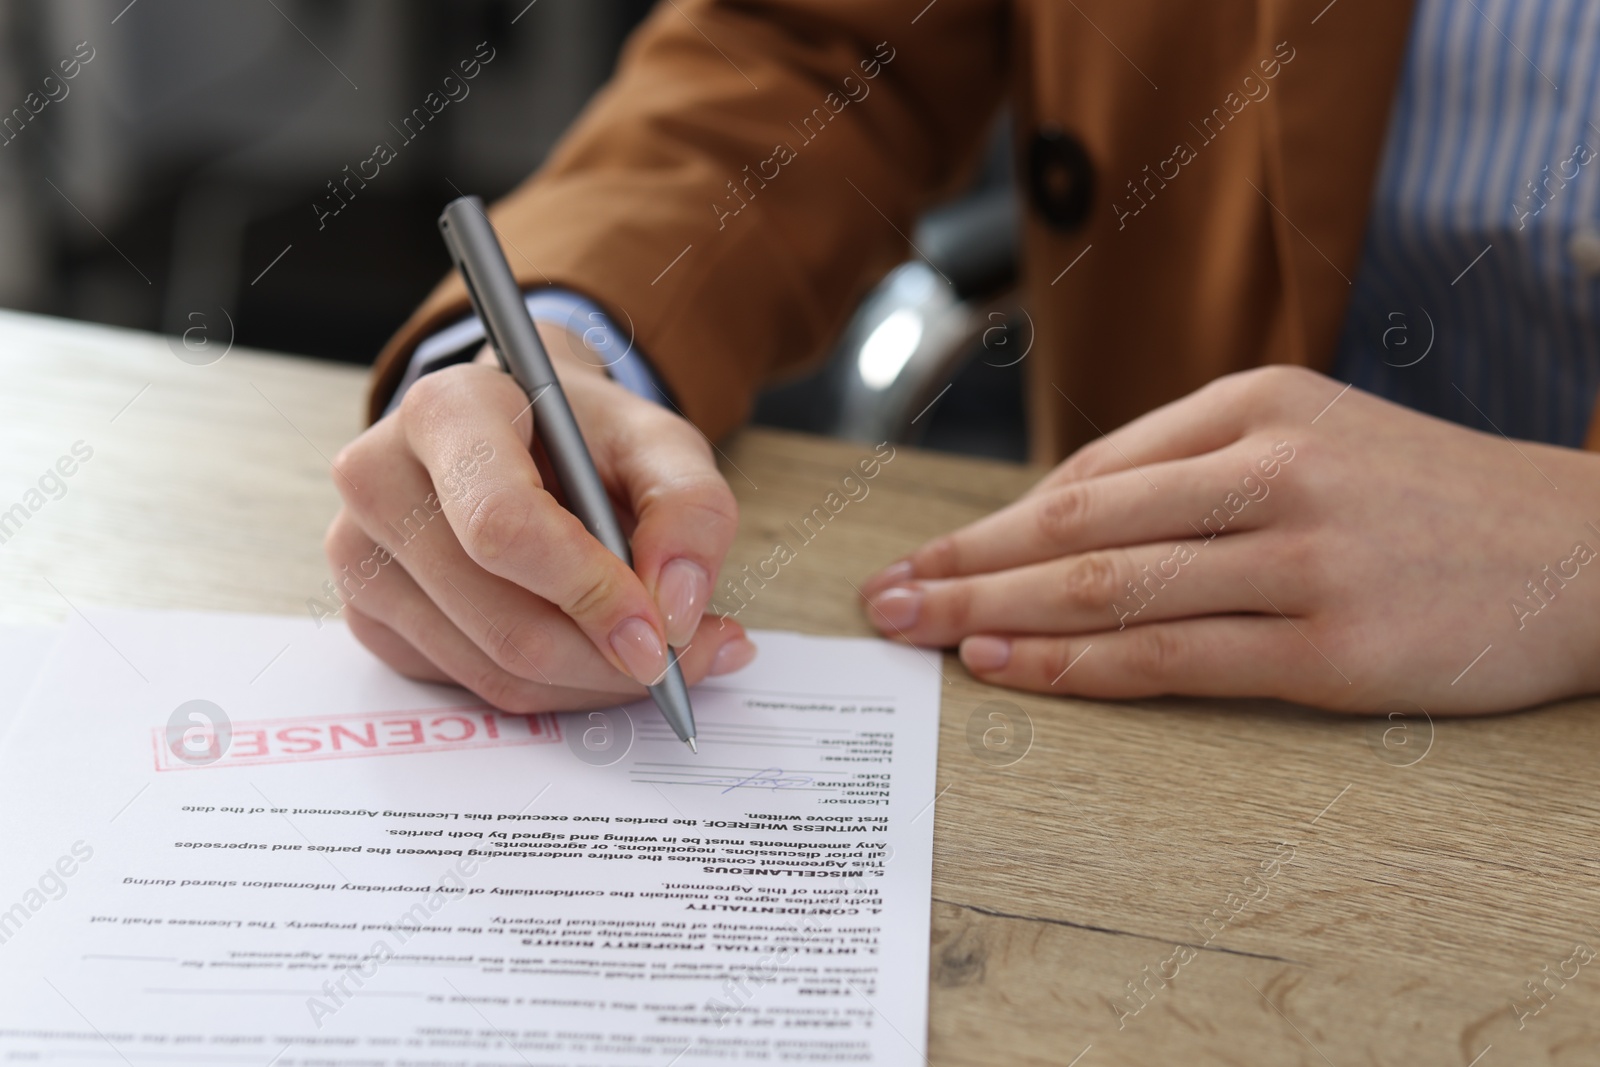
{"x": 175, "y": 173}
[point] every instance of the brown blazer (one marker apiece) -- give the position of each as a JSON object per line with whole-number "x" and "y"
{"x": 754, "y": 166}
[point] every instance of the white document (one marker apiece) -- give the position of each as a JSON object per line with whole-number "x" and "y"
{"x": 328, "y": 864}
{"x": 22, "y": 649}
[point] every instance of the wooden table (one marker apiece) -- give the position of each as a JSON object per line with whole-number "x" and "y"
{"x": 1156, "y": 881}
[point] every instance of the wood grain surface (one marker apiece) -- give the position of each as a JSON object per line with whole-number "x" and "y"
{"x": 1141, "y": 882}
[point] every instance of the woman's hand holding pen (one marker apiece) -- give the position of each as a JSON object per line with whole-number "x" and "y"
{"x": 457, "y": 564}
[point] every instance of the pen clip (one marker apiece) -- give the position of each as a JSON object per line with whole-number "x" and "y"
{"x": 464, "y": 268}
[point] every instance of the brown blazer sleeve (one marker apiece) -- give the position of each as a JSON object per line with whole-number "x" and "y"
{"x": 749, "y": 172}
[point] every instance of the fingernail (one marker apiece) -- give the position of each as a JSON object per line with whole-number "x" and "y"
{"x": 894, "y": 574}
{"x": 985, "y": 654}
{"x": 640, "y": 649}
{"x": 734, "y": 655}
{"x": 681, "y": 595}
{"x": 898, "y": 607}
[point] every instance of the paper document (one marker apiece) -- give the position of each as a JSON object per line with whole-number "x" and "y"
{"x": 22, "y": 649}
{"x": 243, "y": 840}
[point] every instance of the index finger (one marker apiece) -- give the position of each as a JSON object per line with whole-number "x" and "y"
{"x": 686, "y": 514}
{"x": 1182, "y": 499}
{"x": 1210, "y": 418}
{"x": 511, "y": 526}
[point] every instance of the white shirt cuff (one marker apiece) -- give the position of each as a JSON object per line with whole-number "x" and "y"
{"x": 580, "y": 316}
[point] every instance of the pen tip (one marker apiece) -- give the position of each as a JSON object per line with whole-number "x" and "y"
{"x": 690, "y": 742}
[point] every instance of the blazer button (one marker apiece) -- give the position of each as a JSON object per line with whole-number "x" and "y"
{"x": 1583, "y": 248}
{"x": 1060, "y": 178}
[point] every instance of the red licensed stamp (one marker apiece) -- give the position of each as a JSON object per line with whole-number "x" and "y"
{"x": 324, "y": 737}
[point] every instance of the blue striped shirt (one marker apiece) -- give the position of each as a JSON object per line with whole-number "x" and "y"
{"x": 1477, "y": 295}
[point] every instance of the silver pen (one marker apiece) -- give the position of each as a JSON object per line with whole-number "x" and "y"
{"x": 499, "y": 303}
